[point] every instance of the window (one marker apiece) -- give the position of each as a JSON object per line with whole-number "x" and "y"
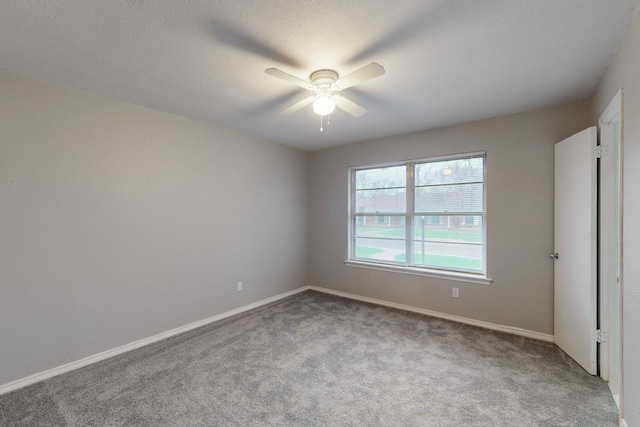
{"x": 425, "y": 214}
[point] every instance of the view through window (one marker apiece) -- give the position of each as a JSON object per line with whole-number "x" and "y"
{"x": 426, "y": 213}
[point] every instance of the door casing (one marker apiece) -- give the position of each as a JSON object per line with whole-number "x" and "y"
{"x": 610, "y": 246}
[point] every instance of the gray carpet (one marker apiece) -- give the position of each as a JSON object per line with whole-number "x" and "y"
{"x": 319, "y": 360}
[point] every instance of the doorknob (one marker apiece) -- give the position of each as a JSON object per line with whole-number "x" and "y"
{"x": 553, "y": 255}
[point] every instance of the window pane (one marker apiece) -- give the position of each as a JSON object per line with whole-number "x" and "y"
{"x": 390, "y": 227}
{"x": 448, "y": 256}
{"x": 451, "y": 228}
{"x": 380, "y": 249}
{"x": 389, "y": 200}
{"x": 394, "y": 176}
{"x": 450, "y": 171}
{"x": 453, "y": 243}
{"x": 450, "y": 198}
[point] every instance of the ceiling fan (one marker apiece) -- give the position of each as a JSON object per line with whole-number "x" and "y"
{"x": 325, "y": 84}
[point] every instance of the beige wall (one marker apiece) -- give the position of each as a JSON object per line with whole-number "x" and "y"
{"x": 519, "y": 217}
{"x": 118, "y": 223}
{"x": 624, "y": 72}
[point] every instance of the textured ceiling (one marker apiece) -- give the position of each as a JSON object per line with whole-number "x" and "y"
{"x": 446, "y": 61}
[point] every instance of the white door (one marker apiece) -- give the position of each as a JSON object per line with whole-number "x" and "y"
{"x": 575, "y": 213}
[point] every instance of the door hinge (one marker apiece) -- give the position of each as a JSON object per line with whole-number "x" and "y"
{"x": 601, "y": 336}
{"x": 602, "y": 151}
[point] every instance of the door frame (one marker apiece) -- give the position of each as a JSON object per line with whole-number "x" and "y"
{"x": 610, "y": 298}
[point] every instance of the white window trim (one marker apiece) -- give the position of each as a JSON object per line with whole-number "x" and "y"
{"x": 479, "y": 278}
{"x": 418, "y": 271}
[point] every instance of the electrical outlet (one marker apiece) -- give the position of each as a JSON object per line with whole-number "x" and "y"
{"x": 454, "y": 292}
{"x": 239, "y": 286}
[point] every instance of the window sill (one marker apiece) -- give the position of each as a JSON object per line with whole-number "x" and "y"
{"x": 447, "y": 275}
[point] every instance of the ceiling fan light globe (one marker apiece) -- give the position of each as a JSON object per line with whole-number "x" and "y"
{"x": 324, "y": 105}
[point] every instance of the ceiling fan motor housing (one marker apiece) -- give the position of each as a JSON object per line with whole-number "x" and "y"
{"x": 323, "y": 79}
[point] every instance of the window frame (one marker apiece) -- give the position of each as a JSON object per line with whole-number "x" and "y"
{"x": 409, "y": 214}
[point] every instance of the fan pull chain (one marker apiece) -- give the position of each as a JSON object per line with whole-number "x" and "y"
{"x": 328, "y": 122}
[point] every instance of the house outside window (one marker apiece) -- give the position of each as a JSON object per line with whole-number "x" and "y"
{"x": 381, "y": 219}
{"x": 426, "y": 214}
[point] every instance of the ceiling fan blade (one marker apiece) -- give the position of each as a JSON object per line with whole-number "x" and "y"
{"x": 277, "y": 103}
{"x": 429, "y": 19}
{"x": 235, "y": 37}
{"x": 349, "y": 106}
{"x": 288, "y": 78}
{"x": 363, "y": 74}
{"x": 298, "y": 105}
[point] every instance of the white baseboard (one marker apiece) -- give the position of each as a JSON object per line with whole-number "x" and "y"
{"x": 623, "y": 423}
{"x": 32, "y": 379}
{"x": 23, "y": 382}
{"x": 508, "y": 329}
